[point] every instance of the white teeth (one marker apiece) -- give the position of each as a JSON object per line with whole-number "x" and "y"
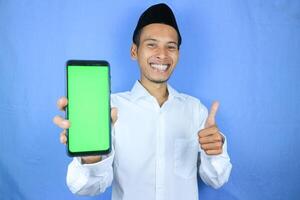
{"x": 160, "y": 67}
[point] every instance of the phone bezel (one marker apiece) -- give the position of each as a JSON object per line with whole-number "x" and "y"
{"x": 96, "y": 63}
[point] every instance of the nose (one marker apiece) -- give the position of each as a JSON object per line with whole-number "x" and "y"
{"x": 161, "y": 53}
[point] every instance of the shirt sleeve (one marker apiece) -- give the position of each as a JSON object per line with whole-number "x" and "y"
{"x": 91, "y": 179}
{"x": 214, "y": 170}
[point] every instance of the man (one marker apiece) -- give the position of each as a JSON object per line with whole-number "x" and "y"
{"x": 159, "y": 134}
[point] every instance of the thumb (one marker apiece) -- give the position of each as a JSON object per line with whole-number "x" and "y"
{"x": 210, "y": 121}
{"x": 114, "y": 115}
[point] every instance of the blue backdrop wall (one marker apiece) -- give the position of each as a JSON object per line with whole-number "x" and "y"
{"x": 243, "y": 53}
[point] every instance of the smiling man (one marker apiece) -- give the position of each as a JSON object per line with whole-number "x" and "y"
{"x": 162, "y": 138}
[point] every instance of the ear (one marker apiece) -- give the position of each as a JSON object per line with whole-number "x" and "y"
{"x": 133, "y": 51}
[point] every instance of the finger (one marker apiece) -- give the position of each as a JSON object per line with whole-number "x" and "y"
{"x": 208, "y": 131}
{"x": 210, "y": 121}
{"x": 114, "y": 115}
{"x": 63, "y": 137}
{"x": 61, "y": 122}
{"x": 214, "y": 152}
{"x": 212, "y": 146}
{"x": 62, "y": 103}
{"x": 211, "y": 139}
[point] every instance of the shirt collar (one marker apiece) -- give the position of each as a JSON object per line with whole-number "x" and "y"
{"x": 138, "y": 91}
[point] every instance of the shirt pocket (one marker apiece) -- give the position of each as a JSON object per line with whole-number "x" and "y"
{"x": 185, "y": 157}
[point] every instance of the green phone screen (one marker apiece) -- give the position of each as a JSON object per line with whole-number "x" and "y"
{"x": 88, "y": 91}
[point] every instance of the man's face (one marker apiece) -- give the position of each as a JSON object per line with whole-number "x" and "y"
{"x": 157, "y": 53}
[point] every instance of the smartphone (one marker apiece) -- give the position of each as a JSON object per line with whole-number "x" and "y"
{"x": 88, "y": 109}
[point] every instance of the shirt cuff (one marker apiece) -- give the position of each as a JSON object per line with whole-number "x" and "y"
{"x": 218, "y": 162}
{"x": 100, "y": 167}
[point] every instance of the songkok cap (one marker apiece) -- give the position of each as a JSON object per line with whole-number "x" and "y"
{"x": 159, "y": 13}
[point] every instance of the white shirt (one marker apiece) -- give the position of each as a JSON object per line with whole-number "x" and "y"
{"x": 155, "y": 151}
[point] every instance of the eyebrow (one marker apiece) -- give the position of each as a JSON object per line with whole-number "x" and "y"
{"x": 154, "y": 40}
{"x": 150, "y": 39}
{"x": 172, "y": 43}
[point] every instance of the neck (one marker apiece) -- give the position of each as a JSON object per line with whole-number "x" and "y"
{"x": 157, "y": 90}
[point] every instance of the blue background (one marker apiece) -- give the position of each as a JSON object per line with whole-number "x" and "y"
{"x": 243, "y": 53}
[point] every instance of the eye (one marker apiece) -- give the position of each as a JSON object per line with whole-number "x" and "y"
{"x": 172, "y": 47}
{"x": 151, "y": 45}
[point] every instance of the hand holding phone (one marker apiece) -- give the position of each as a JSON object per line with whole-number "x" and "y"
{"x": 65, "y": 124}
{"x": 88, "y": 108}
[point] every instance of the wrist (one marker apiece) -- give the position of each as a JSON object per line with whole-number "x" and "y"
{"x": 90, "y": 159}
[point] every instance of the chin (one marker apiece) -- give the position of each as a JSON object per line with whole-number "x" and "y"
{"x": 159, "y": 80}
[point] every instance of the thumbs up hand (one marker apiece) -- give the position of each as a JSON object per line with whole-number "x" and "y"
{"x": 210, "y": 139}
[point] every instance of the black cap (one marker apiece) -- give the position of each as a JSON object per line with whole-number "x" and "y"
{"x": 159, "y": 13}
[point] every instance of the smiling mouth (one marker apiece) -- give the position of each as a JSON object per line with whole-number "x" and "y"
{"x": 160, "y": 67}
